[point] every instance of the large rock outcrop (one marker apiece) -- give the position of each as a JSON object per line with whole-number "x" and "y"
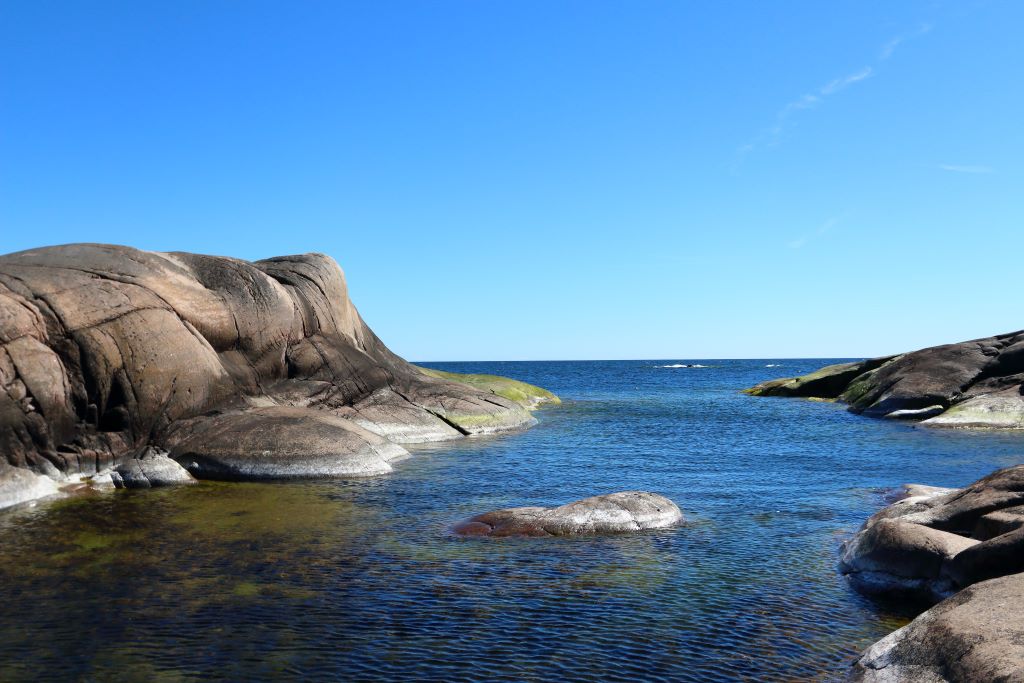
{"x": 966, "y": 543}
{"x": 609, "y": 513}
{"x": 237, "y": 369}
{"x": 975, "y": 384}
{"x": 931, "y": 545}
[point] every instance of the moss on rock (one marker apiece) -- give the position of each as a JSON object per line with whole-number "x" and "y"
{"x": 527, "y": 395}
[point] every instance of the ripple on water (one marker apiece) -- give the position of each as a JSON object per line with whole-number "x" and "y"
{"x": 362, "y": 580}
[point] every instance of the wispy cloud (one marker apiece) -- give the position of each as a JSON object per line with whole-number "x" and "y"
{"x": 809, "y": 100}
{"x": 890, "y": 47}
{"x": 822, "y": 229}
{"x": 772, "y": 136}
{"x": 846, "y": 81}
{"x": 966, "y": 169}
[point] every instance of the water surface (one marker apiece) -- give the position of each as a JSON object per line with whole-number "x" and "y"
{"x": 361, "y": 580}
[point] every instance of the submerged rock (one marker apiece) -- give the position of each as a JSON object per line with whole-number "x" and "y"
{"x": 612, "y": 512}
{"x": 976, "y": 384}
{"x": 105, "y": 350}
{"x": 976, "y": 635}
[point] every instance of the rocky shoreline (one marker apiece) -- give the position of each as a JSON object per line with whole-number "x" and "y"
{"x": 133, "y": 368}
{"x": 976, "y": 384}
{"x": 962, "y": 548}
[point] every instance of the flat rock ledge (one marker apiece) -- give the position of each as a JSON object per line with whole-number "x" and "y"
{"x": 977, "y": 384}
{"x": 964, "y": 547}
{"x": 610, "y": 513}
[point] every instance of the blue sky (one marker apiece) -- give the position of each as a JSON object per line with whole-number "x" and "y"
{"x": 548, "y": 180}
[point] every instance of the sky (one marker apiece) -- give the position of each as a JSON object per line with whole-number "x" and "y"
{"x": 548, "y": 179}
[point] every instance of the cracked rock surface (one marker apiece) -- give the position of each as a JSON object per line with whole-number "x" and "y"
{"x": 238, "y": 369}
{"x": 975, "y": 384}
{"x": 609, "y": 513}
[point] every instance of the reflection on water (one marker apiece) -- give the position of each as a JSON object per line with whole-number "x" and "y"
{"x": 350, "y": 580}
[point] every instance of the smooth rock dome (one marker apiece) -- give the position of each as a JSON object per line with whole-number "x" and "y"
{"x": 609, "y": 513}
{"x": 239, "y": 370}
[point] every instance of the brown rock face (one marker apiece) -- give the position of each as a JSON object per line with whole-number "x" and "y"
{"x": 931, "y": 545}
{"x": 105, "y": 350}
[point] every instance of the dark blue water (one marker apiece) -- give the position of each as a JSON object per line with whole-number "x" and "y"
{"x": 360, "y": 580}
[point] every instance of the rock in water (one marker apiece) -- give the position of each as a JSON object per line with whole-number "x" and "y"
{"x": 152, "y": 469}
{"x": 976, "y": 384}
{"x": 108, "y": 349}
{"x": 931, "y": 545}
{"x": 612, "y": 512}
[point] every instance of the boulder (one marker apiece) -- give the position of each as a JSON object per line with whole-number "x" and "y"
{"x": 153, "y": 470}
{"x": 976, "y": 635}
{"x": 609, "y": 513}
{"x": 960, "y": 512}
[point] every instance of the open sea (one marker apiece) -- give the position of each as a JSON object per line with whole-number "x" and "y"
{"x": 362, "y": 580}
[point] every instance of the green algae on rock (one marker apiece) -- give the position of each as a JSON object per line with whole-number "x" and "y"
{"x": 527, "y": 395}
{"x": 827, "y": 383}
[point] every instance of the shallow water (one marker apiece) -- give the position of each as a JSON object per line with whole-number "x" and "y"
{"x": 361, "y": 580}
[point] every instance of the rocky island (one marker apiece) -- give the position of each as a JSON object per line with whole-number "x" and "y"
{"x": 144, "y": 369}
{"x": 975, "y": 384}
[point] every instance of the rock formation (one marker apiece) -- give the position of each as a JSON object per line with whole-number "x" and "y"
{"x": 238, "y": 370}
{"x": 968, "y": 543}
{"x": 975, "y": 384}
{"x": 977, "y": 635}
{"x": 934, "y": 544}
{"x": 610, "y": 513}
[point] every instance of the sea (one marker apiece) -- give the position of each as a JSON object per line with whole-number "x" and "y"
{"x": 362, "y": 580}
